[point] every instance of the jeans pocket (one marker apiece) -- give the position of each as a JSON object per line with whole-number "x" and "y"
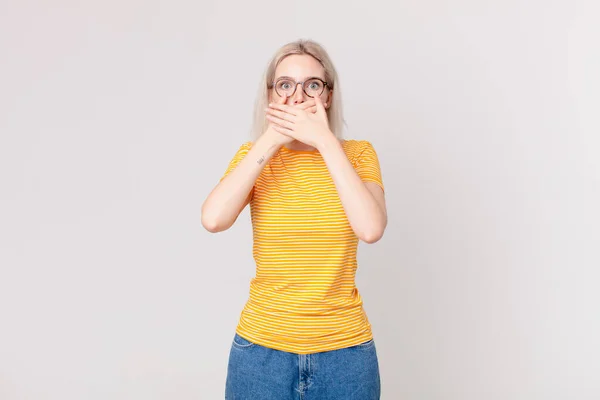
{"x": 364, "y": 346}
{"x": 241, "y": 343}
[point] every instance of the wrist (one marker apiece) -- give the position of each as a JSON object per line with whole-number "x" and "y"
{"x": 327, "y": 141}
{"x": 271, "y": 139}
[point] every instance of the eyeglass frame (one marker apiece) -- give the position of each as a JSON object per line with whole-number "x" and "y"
{"x": 325, "y": 84}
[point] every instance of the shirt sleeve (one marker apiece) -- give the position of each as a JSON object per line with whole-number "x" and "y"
{"x": 237, "y": 158}
{"x": 367, "y": 165}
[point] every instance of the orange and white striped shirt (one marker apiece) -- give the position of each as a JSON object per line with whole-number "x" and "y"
{"x": 303, "y": 298}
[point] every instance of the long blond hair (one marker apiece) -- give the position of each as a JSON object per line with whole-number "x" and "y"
{"x": 311, "y": 48}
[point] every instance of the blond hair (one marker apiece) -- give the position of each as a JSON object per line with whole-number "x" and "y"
{"x": 315, "y": 50}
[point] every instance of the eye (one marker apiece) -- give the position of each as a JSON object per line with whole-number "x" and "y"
{"x": 314, "y": 85}
{"x": 285, "y": 85}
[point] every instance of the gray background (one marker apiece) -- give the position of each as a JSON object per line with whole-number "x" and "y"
{"x": 118, "y": 117}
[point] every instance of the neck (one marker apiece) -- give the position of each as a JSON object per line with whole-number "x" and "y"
{"x": 296, "y": 145}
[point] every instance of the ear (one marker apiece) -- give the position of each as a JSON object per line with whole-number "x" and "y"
{"x": 329, "y": 99}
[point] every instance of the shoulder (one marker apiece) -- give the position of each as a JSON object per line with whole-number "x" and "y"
{"x": 354, "y": 148}
{"x": 240, "y": 153}
{"x": 246, "y": 145}
{"x": 244, "y": 148}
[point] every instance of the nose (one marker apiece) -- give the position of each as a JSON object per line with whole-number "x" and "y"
{"x": 299, "y": 94}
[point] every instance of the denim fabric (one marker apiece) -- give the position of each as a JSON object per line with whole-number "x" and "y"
{"x": 255, "y": 372}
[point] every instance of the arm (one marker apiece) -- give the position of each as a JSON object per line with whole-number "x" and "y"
{"x": 363, "y": 202}
{"x": 225, "y": 202}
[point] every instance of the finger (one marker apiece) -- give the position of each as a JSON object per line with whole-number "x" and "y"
{"x": 320, "y": 107}
{"x": 312, "y": 109}
{"x": 285, "y": 107}
{"x": 284, "y": 131}
{"x": 281, "y": 100}
{"x": 280, "y": 122}
{"x": 281, "y": 114}
{"x": 306, "y": 104}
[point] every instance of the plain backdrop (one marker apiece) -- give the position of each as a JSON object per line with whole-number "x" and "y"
{"x": 117, "y": 118}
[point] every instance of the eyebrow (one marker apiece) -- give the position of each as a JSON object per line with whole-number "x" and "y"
{"x": 290, "y": 78}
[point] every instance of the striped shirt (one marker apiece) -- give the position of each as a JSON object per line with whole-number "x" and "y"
{"x": 303, "y": 298}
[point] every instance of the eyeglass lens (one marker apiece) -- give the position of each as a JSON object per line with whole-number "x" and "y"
{"x": 287, "y": 87}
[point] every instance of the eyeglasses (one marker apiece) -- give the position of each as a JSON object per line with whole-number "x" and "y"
{"x": 312, "y": 87}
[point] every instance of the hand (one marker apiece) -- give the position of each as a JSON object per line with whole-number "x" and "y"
{"x": 279, "y": 138}
{"x": 300, "y": 124}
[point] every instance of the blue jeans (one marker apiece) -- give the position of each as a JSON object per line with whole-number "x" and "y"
{"x": 260, "y": 373}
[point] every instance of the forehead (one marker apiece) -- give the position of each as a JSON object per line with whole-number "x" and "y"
{"x": 299, "y": 66}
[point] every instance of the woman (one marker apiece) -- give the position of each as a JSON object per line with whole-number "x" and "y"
{"x": 303, "y": 333}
